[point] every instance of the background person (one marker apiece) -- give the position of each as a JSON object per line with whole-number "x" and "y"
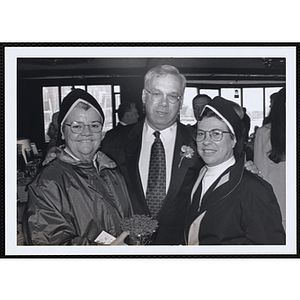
{"x": 80, "y": 193}
{"x": 127, "y": 113}
{"x": 272, "y": 98}
{"x": 229, "y": 205}
{"x": 269, "y": 150}
{"x": 199, "y": 103}
{"x": 247, "y": 122}
{"x": 53, "y": 132}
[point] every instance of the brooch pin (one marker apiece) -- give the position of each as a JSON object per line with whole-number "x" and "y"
{"x": 185, "y": 152}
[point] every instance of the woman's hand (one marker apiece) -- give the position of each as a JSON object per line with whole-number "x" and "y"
{"x": 250, "y": 166}
{"x": 120, "y": 239}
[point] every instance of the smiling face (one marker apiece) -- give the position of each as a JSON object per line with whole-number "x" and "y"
{"x": 85, "y": 144}
{"x": 214, "y": 153}
{"x": 162, "y": 114}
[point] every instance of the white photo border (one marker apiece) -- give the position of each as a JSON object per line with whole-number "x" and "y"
{"x": 11, "y": 56}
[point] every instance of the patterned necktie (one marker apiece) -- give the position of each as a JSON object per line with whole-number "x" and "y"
{"x": 156, "y": 188}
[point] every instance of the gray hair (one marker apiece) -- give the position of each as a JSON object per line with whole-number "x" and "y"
{"x": 162, "y": 71}
{"x": 84, "y": 105}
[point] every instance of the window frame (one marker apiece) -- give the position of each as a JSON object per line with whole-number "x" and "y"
{"x": 241, "y": 89}
{"x": 61, "y": 96}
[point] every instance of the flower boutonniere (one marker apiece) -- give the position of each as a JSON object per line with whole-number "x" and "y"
{"x": 185, "y": 152}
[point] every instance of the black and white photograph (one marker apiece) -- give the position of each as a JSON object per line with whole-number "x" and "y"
{"x": 150, "y": 150}
{"x": 78, "y": 219}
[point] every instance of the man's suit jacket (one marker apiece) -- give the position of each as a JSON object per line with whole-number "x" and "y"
{"x": 114, "y": 133}
{"x": 172, "y": 215}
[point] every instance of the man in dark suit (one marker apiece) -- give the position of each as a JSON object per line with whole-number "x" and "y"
{"x": 163, "y": 97}
{"x": 127, "y": 114}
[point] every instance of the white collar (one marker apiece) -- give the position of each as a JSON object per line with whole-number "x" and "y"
{"x": 68, "y": 151}
{"x": 166, "y": 134}
{"x": 219, "y": 169}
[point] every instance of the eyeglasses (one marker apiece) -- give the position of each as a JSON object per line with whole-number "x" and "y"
{"x": 157, "y": 96}
{"x": 78, "y": 127}
{"x": 215, "y": 134}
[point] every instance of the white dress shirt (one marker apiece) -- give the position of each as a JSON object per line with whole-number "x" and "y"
{"x": 168, "y": 137}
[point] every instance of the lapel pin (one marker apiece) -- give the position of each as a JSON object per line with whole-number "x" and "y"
{"x": 185, "y": 152}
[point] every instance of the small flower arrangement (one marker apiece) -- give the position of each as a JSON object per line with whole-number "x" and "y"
{"x": 185, "y": 152}
{"x": 141, "y": 228}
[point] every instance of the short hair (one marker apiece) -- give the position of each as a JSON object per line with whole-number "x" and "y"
{"x": 123, "y": 108}
{"x": 272, "y": 97}
{"x": 201, "y": 96}
{"x": 163, "y": 71}
{"x": 83, "y": 105}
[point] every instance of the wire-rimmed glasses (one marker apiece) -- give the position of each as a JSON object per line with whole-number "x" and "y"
{"x": 78, "y": 127}
{"x": 157, "y": 96}
{"x": 215, "y": 134}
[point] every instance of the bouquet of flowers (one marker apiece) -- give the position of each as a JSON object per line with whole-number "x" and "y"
{"x": 141, "y": 229}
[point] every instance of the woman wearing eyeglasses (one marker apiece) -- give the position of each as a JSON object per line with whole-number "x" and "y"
{"x": 228, "y": 204}
{"x": 80, "y": 193}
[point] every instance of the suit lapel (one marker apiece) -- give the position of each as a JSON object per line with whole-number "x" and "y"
{"x": 132, "y": 154}
{"x": 179, "y": 170}
{"x": 178, "y": 173}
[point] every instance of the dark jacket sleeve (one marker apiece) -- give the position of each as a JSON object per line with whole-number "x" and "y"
{"x": 261, "y": 215}
{"x": 44, "y": 208}
{"x": 115, "y": 184}
{"x": 113, "y": 144}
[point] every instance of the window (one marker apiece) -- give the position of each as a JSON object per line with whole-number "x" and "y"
{"x": 65, "y": 90}
{"x": 103, "y": 95}
{"x": 253, "y": 101}
{"x": 51, "y": 105}
{"x": 211, "y": 93}
{"x": 268, "y": 93}
{"x": 187, "y": 113}
{"x": 117, "y": 93}
{"x": 232, "y": 94}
